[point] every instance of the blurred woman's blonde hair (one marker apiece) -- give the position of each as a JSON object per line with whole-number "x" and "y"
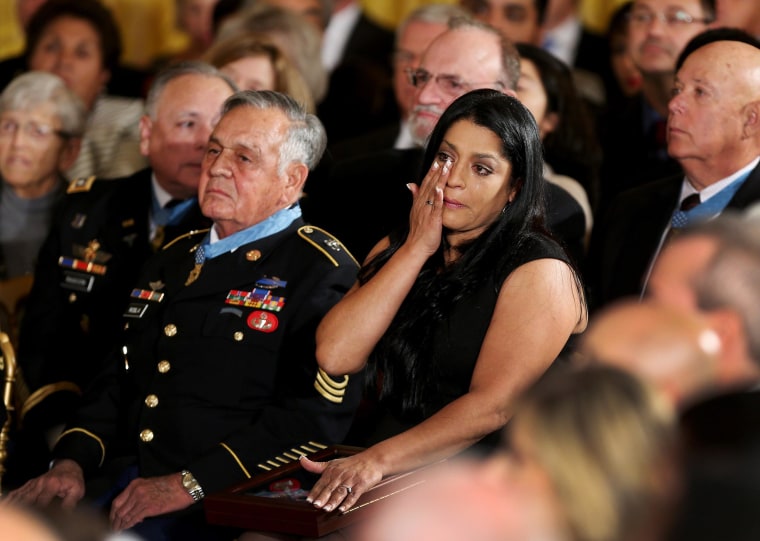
{"x": 605, "y": 440}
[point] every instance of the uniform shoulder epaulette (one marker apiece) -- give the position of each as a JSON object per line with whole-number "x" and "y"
{"x": 187, "y": 235}
{"x": 81, "y": 184}
{"x": 328, "y": 245}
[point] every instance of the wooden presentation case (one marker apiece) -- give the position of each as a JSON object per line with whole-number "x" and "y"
{"x": 240, "y": 506}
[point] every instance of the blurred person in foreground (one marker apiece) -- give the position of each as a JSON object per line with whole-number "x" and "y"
{"x": 217, "y": 368}
{"x": 695, "y": 337}
{"x": 466, "y": 499}
{"x": 673, "y": 349}
{"x": 603, "y": 444}
{"x": 435, "y": 313}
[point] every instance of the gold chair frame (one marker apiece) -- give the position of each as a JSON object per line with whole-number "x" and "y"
{"x": 8, "y": 366}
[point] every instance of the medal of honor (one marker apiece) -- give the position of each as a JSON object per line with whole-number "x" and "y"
{"x": 200, "y": 257}
{"x": 194, "y": 273}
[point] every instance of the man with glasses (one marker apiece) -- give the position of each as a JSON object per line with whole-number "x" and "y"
{"x": 366, "y": 197}
{"x": 634, "y": 137}
{"x": 413, "y": 36}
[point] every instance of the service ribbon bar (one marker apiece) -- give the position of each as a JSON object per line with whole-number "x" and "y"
{"x": 146, "y": 294}
{"x": 78, "y": 264}
{"x": 258, "y": 298}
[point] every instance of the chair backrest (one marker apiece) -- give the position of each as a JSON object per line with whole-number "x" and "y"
{"x": 8, "y": 372}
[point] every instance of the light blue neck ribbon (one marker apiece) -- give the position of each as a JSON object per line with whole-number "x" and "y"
{"x": 171, "y": 216}
{"x": 711, "y": 207}
{"x": 277, "y": 222}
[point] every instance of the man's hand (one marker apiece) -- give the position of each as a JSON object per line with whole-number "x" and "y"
{"x": 65, "y": 480}
{"x": 147, "y": 498}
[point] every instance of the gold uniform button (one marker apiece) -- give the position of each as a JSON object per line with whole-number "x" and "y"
{"x": 72, "y": 298}
{"x": 164, "y": 366}
{"x": 146, "y": 435}
{"x": 170, "y": 329}
{"x": 253, "y": 255}
{"x": 238, "y": 336}
{"x": 151, "y": 401}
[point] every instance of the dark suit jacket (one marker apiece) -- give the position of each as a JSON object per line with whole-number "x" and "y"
{"x": 360, "y": 91}
{"x": 630, "y": 156}
{"x": 625, "y": 241}
{"x": 365, "y": 198}
{"x": 73, "y": 316}
{"x": 378, "y": 139}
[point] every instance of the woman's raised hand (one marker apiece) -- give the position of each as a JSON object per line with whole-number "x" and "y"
{"x": 426, "y": 218}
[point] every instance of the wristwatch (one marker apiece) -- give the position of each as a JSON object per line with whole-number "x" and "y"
{"x": 192, "y": 486}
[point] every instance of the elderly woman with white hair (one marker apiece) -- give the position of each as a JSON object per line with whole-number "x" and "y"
{"x": 41, "y": 124}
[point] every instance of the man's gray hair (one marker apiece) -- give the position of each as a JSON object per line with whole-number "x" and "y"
{"x": 306, "y": 139}
{"x": 34, "y": 88}
{"x": 731, "y": 279}
{"x": 189, "y": 67}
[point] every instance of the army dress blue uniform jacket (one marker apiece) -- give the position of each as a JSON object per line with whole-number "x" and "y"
{"x": 220, "y": 375}
{"x": 73, "y": 316}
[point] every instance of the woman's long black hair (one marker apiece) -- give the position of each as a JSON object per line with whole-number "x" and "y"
{"x": 403, "y": 356}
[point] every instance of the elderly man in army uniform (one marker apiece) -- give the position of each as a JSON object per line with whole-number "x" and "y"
{"x": 218, "y": 370}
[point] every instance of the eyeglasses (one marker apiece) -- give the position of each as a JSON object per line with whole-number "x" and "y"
{"x": 35, "y": 131}
{"x": 675, "y": 18}
{"x": 450, "y": 84}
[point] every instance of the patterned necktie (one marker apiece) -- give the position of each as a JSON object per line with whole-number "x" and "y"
{"x": 680, "y": 217}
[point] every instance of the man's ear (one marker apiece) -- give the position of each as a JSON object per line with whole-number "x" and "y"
{"x": 733, "y": 338}
{"x": 295, "y": 178}
{"x": 146, "y": 128}
{"x": 69, "y": 153}
{"x": 751, "y": 119}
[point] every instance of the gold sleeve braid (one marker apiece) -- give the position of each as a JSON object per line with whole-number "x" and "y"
{"x": 87, "y": 433}
{"x": 331, "y": 389}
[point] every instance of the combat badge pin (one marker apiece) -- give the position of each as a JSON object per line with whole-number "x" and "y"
{"x": 263, "y": 321}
